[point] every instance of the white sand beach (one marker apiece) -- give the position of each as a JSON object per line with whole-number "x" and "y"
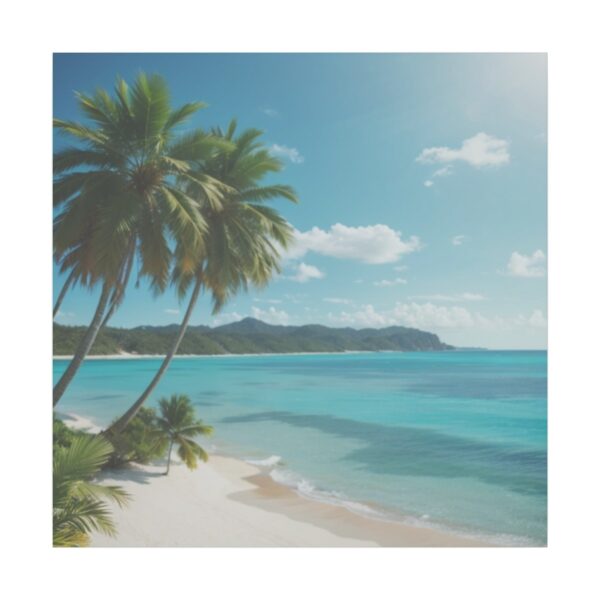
{"x": 229, "y": 503}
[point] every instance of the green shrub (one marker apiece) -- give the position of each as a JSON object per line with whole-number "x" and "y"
{"x": 63, "y": 436}
{"x": 138, "y": 442}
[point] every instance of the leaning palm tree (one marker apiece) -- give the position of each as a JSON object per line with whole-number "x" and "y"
{"x": 79, "y": 505}
{"x": 177, "y": 425}
{"x": 243, "y": 239}
{"x": 120, "y": 195}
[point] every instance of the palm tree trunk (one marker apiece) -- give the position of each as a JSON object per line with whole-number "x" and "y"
{"x": 169, "y": 458}
{"x": 123, "y": 421}
{"x": 64, "y": 290}
{"x": 119, "y": 291}
{"x": 84, "y": 346}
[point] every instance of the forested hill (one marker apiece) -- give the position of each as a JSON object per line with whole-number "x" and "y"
{"x": 248, "y": 336}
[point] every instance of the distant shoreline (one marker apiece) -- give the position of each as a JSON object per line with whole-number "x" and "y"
{"x": 130, "y": 356}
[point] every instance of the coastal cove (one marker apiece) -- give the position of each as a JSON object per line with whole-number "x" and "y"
{"x": 448, "y": 447}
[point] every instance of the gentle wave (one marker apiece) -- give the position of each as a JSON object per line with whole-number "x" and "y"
{"x": 307, "y": 489}
{"x": 271, "y": 461}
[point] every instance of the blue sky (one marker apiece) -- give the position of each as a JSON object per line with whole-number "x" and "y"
{"x": 422, "y": 181}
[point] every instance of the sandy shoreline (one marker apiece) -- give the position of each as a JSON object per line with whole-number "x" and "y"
{"x": 228, "y": 502}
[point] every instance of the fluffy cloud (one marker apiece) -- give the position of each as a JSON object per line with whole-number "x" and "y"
{"x": 172, "y": 311}
{"x": 464, "y": 297}
{"x": 481, "y": 150}
{"x": 291, "y": 154}
{"x": 337, "y": 300}
{"x": 372, "y": 244}
{"x": 367, "y": 316}
{"x": 64, "y": 315}
{"x": 270, "y": 112}
{"x": 389, "y": 282}
{"x": 521, "y": 265}
{"x": 443, "y": 172}
{"x": 226, "y": 317}
{"x": 537, "y": 319}
{"x": 272, "y": 315}
{"x": 458, "y": 240}
{"x": 305, "y": 273}
{"x": 432, "y": 317}
{"x": 268, "y": 300}
{"x": 428, "y": 183}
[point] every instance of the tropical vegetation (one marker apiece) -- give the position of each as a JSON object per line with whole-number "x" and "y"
{"x": 138, "y": 442}
{"x": 135, "y": 193}
{"x": 80, "y": 506}
{"x": 121, "y": 195}
{"x": 178, "y": 426}
{"x": 249, "y": 336}
{"x": 242, "y": 241}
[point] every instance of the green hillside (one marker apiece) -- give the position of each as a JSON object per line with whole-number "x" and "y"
{"x": 248, "y": 336}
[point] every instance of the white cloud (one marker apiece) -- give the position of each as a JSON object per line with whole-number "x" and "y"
{"x": 432, "y": 317}
{"x": 443, "y": 172}
{"x": 458, "y": 240}
{"x": 481, "y": 150}
{"x": 295, "y": 298}
{"x": 428, "y": 183}
{"x": 521, "y": 265}
{"x": 337, "y": 300}
{"x": 464, "y": 297}
{"x": 267, "y": 300}
{"x": 291, "y": 154}
{"x": 537, "y": 319}
{"x": 400, "y": 268}
{"x": 172, "y": 311}
{"x": 271, "y": 315}
{"x": 305, "y": 273}
{"x": 270, "y": 112}
{"x": 389, "y": 282}
{"x": 64, "y": 315}
{"x": 372, "y": 244}
{"x": 224, "y": 318}
{"x": 367, "y": 316}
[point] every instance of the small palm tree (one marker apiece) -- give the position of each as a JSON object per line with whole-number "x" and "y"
{"x": 177, "y": 424}
{"x": 79, "y": 505}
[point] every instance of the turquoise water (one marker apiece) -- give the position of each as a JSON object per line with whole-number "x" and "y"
{"x": 455, "y": 440}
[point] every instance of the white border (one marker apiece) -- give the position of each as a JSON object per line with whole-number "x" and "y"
{"x": 566, "y": 568}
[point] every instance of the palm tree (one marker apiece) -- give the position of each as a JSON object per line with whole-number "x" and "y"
{"x": 79, "y": 506}
{"x": 177, "y": 425}
{"x": 242, "y": 242}
{"x": 121, "y": 198}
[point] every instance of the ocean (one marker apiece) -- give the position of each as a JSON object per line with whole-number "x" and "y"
{"x": 449, "y": 440}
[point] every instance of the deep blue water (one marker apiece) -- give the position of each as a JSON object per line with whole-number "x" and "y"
{"x": 451, "y": 439}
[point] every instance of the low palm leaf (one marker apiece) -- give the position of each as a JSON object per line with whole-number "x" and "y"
{"x": 79, "y": 505}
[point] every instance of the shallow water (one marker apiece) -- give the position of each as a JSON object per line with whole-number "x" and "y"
{"x": 455, "y": 440}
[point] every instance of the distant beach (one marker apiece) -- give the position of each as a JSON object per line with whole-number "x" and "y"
{"x": 129, "y": 355}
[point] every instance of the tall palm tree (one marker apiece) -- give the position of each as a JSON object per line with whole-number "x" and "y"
{"x": 177, "y": 425}
{"x": 79, "y": 506}
{"x": 120, "y": 194}
{"x": 242, "y": 242}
